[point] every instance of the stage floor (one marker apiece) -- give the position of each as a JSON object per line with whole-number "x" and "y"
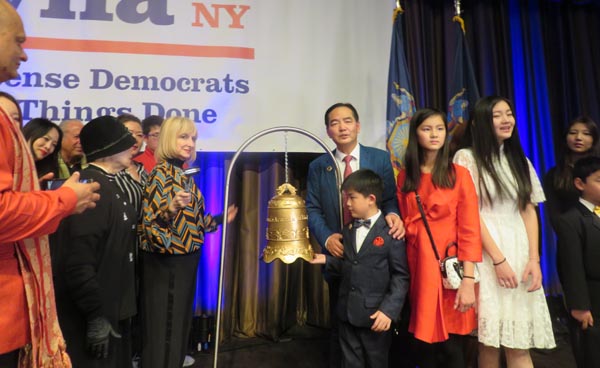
{"x": 308, "y": 347}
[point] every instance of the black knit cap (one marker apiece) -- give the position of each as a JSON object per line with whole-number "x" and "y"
{"x": 104, "y": 136}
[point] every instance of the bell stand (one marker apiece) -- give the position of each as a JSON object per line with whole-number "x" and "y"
{"x": 262, "y": 133}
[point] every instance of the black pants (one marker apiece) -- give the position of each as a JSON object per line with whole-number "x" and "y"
{"x": 362, "y": 347}
{"x": 585, "y": 344}
{"x": 167, "y": 296}
{"x": 335, "y": 351}
{"x": 74, "y": 328}
{"x": 10, "y": 359}
{"x": 402, "y": 354}
{"x": 447, "y": 354}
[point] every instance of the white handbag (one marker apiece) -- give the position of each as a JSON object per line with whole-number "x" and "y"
{"x": 451, "y": 268}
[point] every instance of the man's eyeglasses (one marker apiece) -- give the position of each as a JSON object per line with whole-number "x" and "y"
{"x": 154, "y": 135}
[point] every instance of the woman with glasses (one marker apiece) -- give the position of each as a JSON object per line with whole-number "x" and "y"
{"x": 151, "y": 130}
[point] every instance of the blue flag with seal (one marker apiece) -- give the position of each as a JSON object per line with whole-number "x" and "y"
{"x": 400, "y": 101}
{"x": 463, "y": 92}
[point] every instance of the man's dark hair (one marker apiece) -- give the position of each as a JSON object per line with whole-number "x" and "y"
{"x": 151, "y": 121}
{"x": 365, "y": 182}
{"x": 123, "y": 118}
{"x": 585, "y": 167}
{"x": 340, "y": 104}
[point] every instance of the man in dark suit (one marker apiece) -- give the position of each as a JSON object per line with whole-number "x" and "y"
{"x": 373, "y": 273}
{"x": 322, "y": 198}
{"x": 578, "y": 257}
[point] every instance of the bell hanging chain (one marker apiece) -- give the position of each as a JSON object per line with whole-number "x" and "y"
{"x": 285, "y": 136}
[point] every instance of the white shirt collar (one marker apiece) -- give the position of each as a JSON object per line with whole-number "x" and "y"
{"x": 339, "y": 155}
{"x": 361, "y": 232}
{"x": 589, "y": 205}
{"x": 375, "y": 217}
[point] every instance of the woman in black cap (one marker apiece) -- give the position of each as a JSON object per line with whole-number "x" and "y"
{"x": 95, "y": 269}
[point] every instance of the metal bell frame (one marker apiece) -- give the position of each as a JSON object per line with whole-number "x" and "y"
{"x": 260, "y": 134}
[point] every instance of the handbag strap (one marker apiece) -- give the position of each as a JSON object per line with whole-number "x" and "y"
{"x": 437, "y": 256}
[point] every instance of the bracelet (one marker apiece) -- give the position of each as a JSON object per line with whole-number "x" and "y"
{"x": 535, "y": 260}
{"x": 499, "y": 263}
{"x": 468, "y": 277}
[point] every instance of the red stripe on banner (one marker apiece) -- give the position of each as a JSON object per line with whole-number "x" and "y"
{"x": 125, "y": 47}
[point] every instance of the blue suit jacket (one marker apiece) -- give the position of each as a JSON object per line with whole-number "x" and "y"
{"x": 375, "y": 278}
{"x": 322, "y": 203}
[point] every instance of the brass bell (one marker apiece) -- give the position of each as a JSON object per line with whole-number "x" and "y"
{"x": 287, "y": 227}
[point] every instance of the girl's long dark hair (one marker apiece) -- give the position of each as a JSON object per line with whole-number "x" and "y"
{"x": 563, "y": 176}
{"x": 35, "y": 129}
{"x": 443, "y": 174}
{"x": 481, "y": 138}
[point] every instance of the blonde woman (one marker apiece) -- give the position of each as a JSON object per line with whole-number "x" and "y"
{"x": 173, "y": 227}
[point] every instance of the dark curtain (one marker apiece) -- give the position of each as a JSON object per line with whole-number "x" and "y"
{"x": 569, "y": 32}
{"x": 541, "y": 54}
{"x": 571, "y": 35}
{"x": 430, "y": 47}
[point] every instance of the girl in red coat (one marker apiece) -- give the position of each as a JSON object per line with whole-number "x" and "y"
{"x": 439, "y": 317}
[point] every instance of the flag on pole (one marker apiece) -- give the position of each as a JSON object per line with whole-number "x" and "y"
{"x": 463, "y": 90}
{"x": 400, "y": 103}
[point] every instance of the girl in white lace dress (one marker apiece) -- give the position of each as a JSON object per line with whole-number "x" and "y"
{"x": 512, "y": 309}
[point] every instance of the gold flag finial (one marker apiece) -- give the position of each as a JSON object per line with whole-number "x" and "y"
{"x": 460, "y": 21}
{"x": 398, "y": 10}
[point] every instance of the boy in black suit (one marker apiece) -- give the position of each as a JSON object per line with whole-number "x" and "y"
{"x": 374, "y": 276}
{"x": 578, "y": 259}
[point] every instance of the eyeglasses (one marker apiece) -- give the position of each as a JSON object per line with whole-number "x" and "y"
{"x": 154, "y": 135}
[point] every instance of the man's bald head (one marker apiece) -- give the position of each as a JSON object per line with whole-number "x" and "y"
{"x": 7, "y": 12}
{"x": 12, "y": 37}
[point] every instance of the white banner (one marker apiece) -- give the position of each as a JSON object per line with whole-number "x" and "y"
{"x": 235, "y": 67}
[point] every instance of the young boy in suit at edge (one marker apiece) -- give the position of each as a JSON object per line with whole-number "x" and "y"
{"x": 374, "y": 276}
{"x": 578, "y": 260}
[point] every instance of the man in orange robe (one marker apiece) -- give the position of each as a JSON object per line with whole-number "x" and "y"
{"x": 30, "y": 335}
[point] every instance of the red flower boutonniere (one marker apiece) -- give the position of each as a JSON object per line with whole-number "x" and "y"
{"x": 378, "y": 241}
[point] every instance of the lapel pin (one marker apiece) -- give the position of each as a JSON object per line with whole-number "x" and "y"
{"x": 329, "y": 168}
